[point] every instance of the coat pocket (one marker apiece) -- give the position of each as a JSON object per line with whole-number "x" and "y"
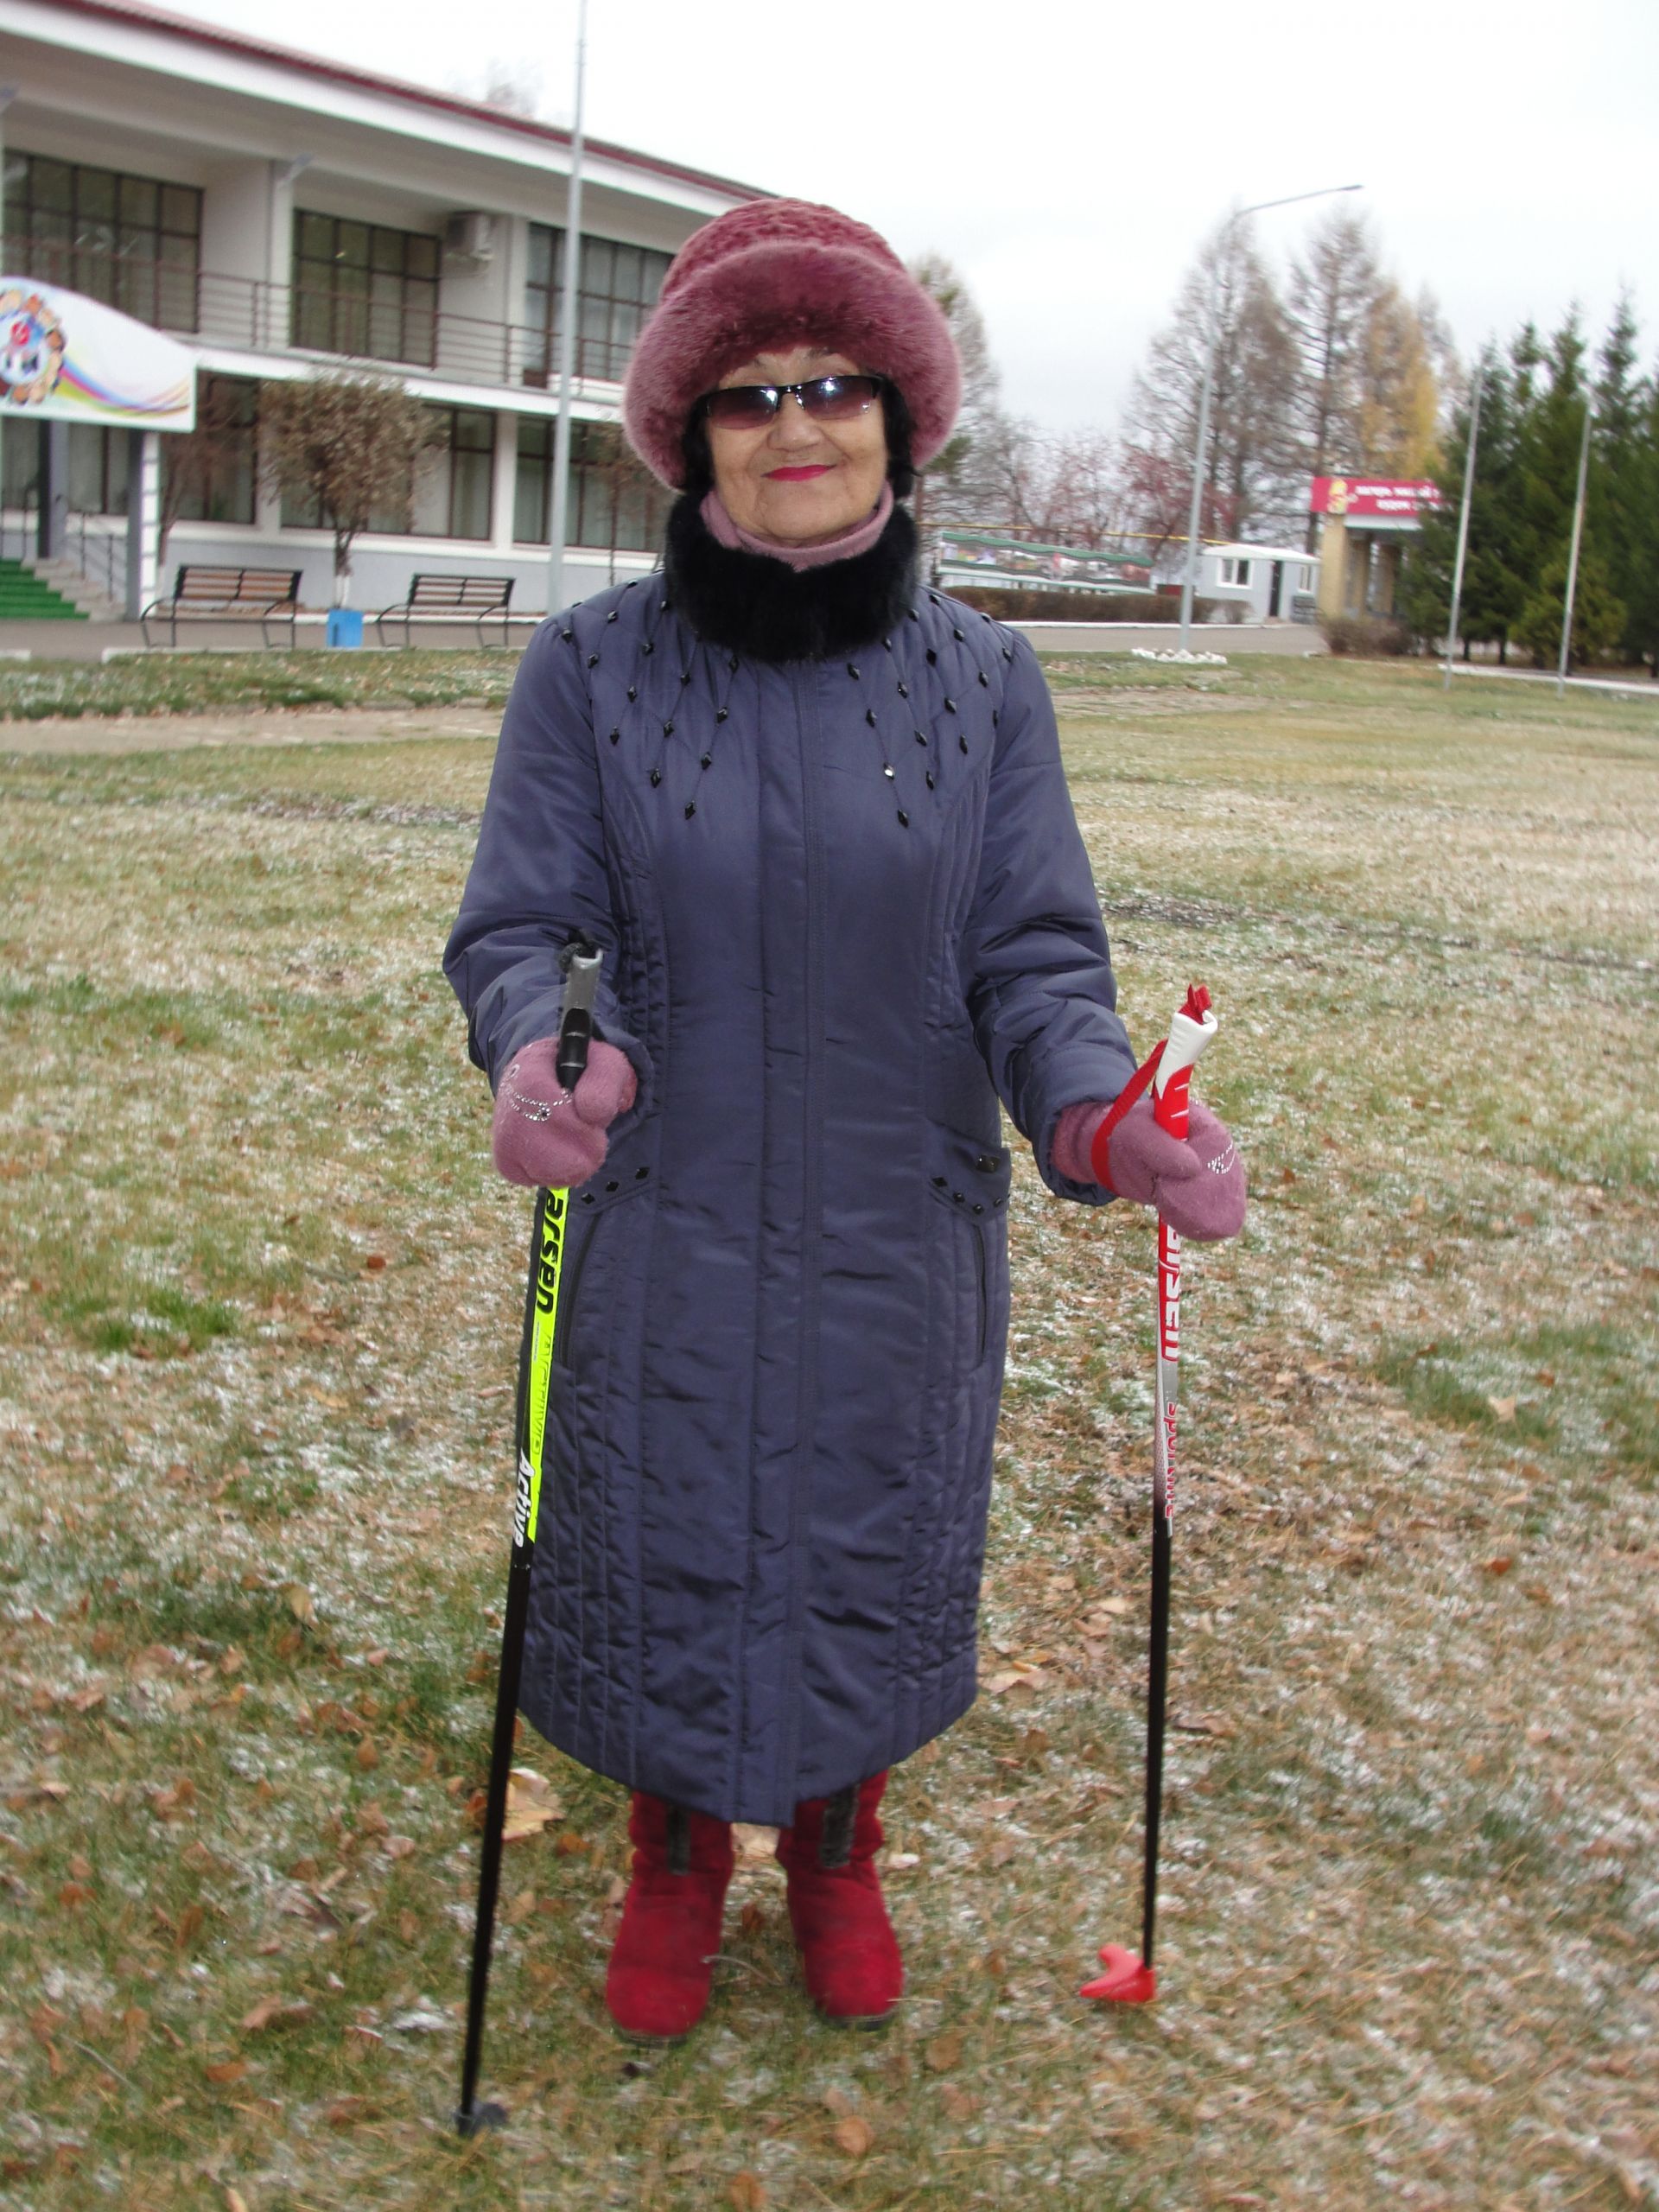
{"x": 593, "y": 1234}
{"x": 970, "y": 1180}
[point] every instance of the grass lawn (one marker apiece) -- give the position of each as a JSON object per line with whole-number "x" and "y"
{"x": 259, "y": 1300}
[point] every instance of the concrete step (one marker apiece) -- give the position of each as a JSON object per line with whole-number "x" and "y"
{"x": 67, "y": 580}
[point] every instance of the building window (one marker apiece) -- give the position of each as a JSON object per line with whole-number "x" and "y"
{"x": 361, "y": 289}
{"x": 452, "y": 484}
{"x": 132, "y": 242}
{"x": 619, "y": 285}
{"x": 98, "y": 460}
{"x": 614, "y": 504}
{"x": 215, "y": 466}
{"x": 1235, "y": 571}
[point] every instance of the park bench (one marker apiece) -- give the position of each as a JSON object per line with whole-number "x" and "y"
{"x": 451, "y": 599}
{"x": 201, "y": 593}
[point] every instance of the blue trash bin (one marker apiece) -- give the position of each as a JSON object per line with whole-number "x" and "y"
{"x": 345, "y": 626}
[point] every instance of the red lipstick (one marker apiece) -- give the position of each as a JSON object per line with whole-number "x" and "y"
{"x": 799, "y": 475}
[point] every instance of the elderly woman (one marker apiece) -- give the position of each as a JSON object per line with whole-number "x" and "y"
{"x": 815, "y": 816}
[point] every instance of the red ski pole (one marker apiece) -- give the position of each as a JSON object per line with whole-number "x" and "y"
{"x": 1128, "y": 1979}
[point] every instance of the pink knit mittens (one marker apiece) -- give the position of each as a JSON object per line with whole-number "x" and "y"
{"x": 546, "y": 1137}
{"x": 1198, "y": 1186}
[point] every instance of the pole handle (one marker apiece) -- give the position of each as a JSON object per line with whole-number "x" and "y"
{"x": 582, "y": 961}
{"x": 1190, "y": 1036}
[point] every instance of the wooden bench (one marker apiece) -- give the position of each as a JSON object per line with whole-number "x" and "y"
{"x": 451, "y": 599}
{"x": 211, "y": 594}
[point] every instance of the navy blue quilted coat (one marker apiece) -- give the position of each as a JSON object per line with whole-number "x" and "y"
{"x": 845, "y": 908}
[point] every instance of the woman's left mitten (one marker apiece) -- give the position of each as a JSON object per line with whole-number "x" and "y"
{"x": 546, "y": 1137}
{"x": 1198, "y": 1186}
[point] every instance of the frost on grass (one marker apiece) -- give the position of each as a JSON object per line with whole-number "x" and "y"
{"x": 254, "y": 1516}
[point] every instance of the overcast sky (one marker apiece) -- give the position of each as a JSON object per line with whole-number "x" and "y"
{"x": 1069, "y": 157}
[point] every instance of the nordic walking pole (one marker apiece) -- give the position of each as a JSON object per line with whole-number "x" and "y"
{"x": 1128, "y": 1979}
{"x": 581, "y": 962}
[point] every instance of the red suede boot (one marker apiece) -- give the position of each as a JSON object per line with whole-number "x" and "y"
{"x": 853, "y": 1973}
{"x": 657, "y": 1986}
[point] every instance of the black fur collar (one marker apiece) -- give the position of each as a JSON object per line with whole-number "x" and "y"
{"x": 751, "y": 604}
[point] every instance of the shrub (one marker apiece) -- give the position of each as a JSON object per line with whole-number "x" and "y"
{"x": 1365, "y": 636}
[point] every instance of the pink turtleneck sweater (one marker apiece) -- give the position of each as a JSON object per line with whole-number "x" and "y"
{"x": 858, "y": 539}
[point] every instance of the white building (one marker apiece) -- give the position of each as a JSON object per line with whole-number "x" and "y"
{"x": 1265, "y": 582}
{"x": 279, "y": 213}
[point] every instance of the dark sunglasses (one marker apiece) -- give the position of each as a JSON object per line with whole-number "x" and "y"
{"x": 826, "y": 399}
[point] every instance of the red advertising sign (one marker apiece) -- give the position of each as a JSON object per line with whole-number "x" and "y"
{"x": 1359, "y": 496}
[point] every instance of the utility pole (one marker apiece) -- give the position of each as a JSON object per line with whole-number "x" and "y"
{"x": 1190, "y": 575}
{"x": 559, "y": 503}
{"x": 1463, "y": 534}
{"x": 1572, "y": 558}
{"x": 8, "y": 94}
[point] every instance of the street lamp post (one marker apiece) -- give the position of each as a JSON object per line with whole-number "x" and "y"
{"x": 1190, "y": 575}
{"x": 1572, "y": 558}
{"x": 559, "y": 502}
{"x": 1463, "y": 533}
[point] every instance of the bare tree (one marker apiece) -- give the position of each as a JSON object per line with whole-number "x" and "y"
{"x": 979, "y": 474}
{"x": 196, "y": 462}
{"x": 348, "y": 445}
{"x": 1227, "y": 297}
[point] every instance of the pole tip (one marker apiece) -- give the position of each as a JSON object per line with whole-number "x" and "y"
{"x": 1125, "y": 1981}
{"x": 472, "y": 2120}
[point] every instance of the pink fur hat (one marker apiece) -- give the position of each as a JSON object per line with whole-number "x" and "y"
{"x": 774, "y": 274}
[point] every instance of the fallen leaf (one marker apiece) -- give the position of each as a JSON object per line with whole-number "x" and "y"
{"x": 189, "y": 1926}
{"x": 226, "y": 2069}
{"x": 855, "y": 2135}
{"x": 73, "y": 1893}
{"x": 900, "y": 1862}
{"x": 399, "y": 1847}
{"x": 234, "y": 2200}
{"x": 746, "y": 2192}
{"x": 84, "y": 1700}
{"x": 838, "y": 2101}
{"x": 275, "y": 2013}
{"x": 1203, "y": 1724}
{"x": 345, "y": 2111}
{"x": 531, "y": 1805}
{"x": 368, "y": 1757}
{"x": 1499, "y": 1566}
{"x": 944, "y": 2051}
{"x": 375, "y": 1261}
{"x": 1502, "y": 1409}
{"x": 994, "y": 1685}
{"x": 958, "y": 2102}
{"x": 299, "y": 1602}
{"x": 419, "y": 2021}
{"x": 751, "y": 1919}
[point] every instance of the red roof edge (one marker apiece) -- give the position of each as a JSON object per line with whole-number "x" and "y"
{"x": 311, "y": 65}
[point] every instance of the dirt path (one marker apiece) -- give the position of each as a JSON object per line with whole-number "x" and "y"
{"x": 309, "y": 726}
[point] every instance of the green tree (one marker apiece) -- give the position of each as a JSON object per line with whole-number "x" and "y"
{"x": 1598, "y": 615}
{"x": 1494, "y": 589}
{"x": 1625, "y": 473}
{"x": 346, "y": 446}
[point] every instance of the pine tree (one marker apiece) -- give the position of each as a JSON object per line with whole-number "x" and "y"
{"x": 1598, "y": 615}
{"x": 1621, "y": 465}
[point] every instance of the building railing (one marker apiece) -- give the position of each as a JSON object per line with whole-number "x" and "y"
{"x": 256, "y": 316}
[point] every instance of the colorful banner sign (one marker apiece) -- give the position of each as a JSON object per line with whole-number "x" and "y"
{"x": 72, "y": 360}
{"x": 1355, "y": 497}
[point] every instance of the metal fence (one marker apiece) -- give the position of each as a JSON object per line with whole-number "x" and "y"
{"x": 256, "y": 315}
